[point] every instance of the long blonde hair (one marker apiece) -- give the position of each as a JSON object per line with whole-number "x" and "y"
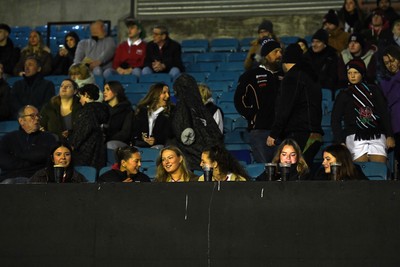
{"x": 162, "y": 175}
{"x": 29, "y": 50}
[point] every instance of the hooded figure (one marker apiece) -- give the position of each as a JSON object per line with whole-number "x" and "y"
{"x": 193, "y": 126}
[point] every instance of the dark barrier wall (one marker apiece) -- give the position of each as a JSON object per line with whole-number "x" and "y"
{"x": 201, "y": 224}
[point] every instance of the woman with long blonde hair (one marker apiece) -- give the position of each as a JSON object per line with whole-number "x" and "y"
{"x": 172, "y": 167}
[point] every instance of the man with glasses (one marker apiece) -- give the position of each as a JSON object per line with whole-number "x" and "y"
{"x": 24, "y": 151}
{"x": 33, "y": 89}
{"x": 163, "y": 55}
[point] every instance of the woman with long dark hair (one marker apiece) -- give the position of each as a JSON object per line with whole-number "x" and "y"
{"x": 338, "y": 153}
{"x": 60, "y": 157}
{"x": 119, "y": 127}
{"x": 66, "y": 53}
{"x": 225, "y": 166}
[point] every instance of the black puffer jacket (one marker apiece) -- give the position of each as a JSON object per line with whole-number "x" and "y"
{"x": 87, "y": 136}
{"x": 119, "y": 126}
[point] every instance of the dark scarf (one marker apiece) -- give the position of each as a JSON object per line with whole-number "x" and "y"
{"x": 351, "y": 19}
{"x": 365, "y": 114}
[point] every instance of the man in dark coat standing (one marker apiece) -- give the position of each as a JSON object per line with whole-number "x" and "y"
{"x": 298, "y": 106}
{"x": 255, "y": 98}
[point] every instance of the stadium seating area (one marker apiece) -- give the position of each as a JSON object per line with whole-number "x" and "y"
{"x": 218, "y": 63}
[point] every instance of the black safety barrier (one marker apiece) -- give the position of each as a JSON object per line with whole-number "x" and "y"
{"x": 201, "y": 224}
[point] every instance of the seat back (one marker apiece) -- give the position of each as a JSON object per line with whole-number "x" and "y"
{"x": 374, "y": 170}
{"x": 89, "y": 172}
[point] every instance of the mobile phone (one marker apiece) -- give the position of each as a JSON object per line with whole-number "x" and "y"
{"x": 61, "y": 46}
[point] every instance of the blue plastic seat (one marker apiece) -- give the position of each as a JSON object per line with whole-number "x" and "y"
{"x": 237, "y": 57}
{"x": 242, "y": 152}
{"x": 226, "y": 97}
{"x": 208, "y": 67}
{"x": 374, "y": 170}
{"x": 287, "y": 40}
{"x": 211, "y": 57}
{"x": 89, "y": 172}
{"x": 155, "y": 78}
{"x": 200, "y": 77}
{"x": 224, "y": 45}
{"x": 220, "y": 86}
{"x": 232, "y": 76}
{"x": 228, "y": 122}
{"x": 237, "y": 66}
{"x": 111, "y": 157}
{"x": 123, "y": 79}
{"x": 8, "y": 126}
{"x": 240, "y": 124}
{"x": 194, "y": 46}
{"x": 229, "y": 110}
{"x": 138, "y": 88}
{"x": 245, "y": 43}
{"x": 255, "y": 169}
{"x": 188, "y": 59}
{"x": 235, "y": 137}
{"x": 104, "y": 169}
{"x": 149, "y": 154}
{"x": 134, "y": 97}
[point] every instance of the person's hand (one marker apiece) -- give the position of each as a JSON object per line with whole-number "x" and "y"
{"x": 63, "y": 52}
{"x": 390, "y": 142}
{"x": 65, "y": 133}
{"x": 158, "y": 66}
{"x": 270, "y": 141}
{"x": 120, "y": 71}
{"x": 94, "y": 64}
{"x": 127, "y": 180}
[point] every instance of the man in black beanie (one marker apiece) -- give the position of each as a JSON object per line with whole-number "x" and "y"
{"x": 255, "y": 98}
{"x": 265, "y": 30}
{"x": 324, "y": 60}
{"x": 337, "y": 36}
{"x": 360, "y": 49}
{"x": 298, "y": 105}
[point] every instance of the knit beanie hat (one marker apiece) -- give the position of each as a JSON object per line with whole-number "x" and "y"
{"x": 331, "y": 17}
{"x": 357, "y": 64}
{"x": 321, "y": 35}
{"x": 356, "y": 37}
{"x": 5, "y": 27}
{"x": 293, "y": 54}
{"x": 266, "y": 25}
{"x": 267, "y": 45}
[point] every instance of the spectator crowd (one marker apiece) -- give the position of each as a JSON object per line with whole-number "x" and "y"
{"x": 355, "y": 55}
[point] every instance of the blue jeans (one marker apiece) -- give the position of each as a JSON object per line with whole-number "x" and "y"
{"x": 258, "y": 142}
{"x": 173, "y": 72}
{"x": 109, "y": 72}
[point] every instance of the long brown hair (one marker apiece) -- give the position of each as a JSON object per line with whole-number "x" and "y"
{"x": 343, "y": 156}
{"x": 151, "y": 99}
{"x": 302, "y": 167}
